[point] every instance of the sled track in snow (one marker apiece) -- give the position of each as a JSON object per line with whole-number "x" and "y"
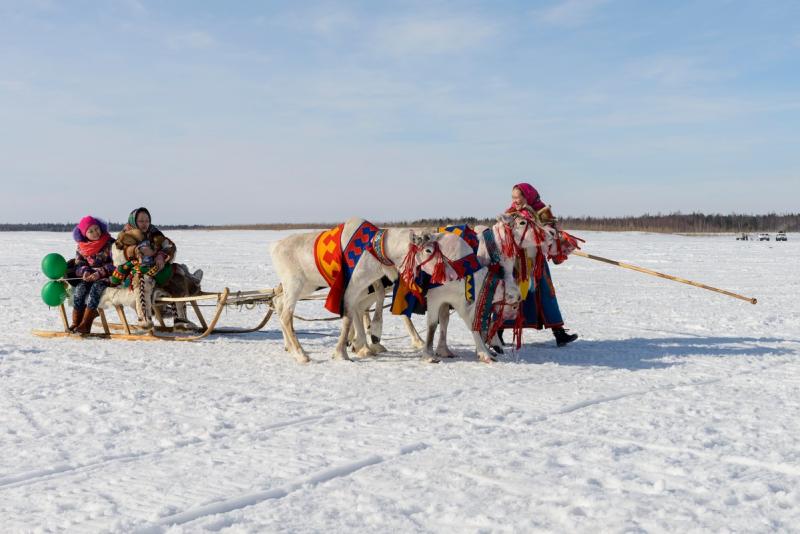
{"x": 733, "y": 459}
{"x": 57, "y": 471}
{"x": 40, "y": 475}
{"x": 250, "y": 499}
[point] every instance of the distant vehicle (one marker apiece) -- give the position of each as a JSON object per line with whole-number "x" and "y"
{"x": 743, "y": 237}
{"x": 781, "y": 236}
{"x": 763, "y": 237}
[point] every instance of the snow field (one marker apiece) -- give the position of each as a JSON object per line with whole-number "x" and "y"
{"x": 676, "y": 410}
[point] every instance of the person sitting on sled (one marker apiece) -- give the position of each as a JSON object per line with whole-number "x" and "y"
{"x": 147, "y": 251}
{"x": 93, "y": 264}
{"x": 138, "y": 230}
{"x": 539, "y": 308}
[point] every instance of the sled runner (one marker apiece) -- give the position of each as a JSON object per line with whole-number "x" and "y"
{"x": 160, "y": 331}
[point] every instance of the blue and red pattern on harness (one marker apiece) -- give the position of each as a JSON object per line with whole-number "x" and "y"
{"x": 359, "y": 242}
{"x": 377, "y": 248}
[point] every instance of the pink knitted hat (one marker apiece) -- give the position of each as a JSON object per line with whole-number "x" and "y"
{"x": 85, "y": 223}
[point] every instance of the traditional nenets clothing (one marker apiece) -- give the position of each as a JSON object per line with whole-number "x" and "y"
{"x": 93, "y": 265}
{"x": 539, "y": 308}
{"x": 137, "y": 231}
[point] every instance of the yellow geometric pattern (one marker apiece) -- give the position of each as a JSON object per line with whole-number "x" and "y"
{"x": 469, "y": 287}
{"x": 328, "y": 253}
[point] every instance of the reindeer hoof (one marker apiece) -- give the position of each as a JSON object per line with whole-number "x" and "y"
{"x": 445, "y": 354}
{"x": 364, "y": 352}
{"x": 431, "y": 359}
{"x": 377, "y": 348}
{"x": 341, "y": 356}
{"x": 302, "y": 358}
{"x": 485, "y": 358}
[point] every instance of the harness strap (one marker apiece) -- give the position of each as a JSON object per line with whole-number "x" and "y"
{"x": 377, "y": 248}
{"x": 491, "y": 246}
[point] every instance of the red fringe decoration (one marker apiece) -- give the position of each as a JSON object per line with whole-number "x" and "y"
{"x": 521, "y": 266}
{"x": 408, "y": 269}
{"x": 439, "y": 275}
{"x": 507, "y": 244}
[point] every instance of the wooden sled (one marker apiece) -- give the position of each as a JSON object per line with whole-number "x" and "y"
{"x": 162, "y": 332}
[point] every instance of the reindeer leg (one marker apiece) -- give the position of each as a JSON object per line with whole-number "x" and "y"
{"x": 416, "y": 341}
{"x": 467, "y": 314}
{"x": 432, "y": 319}
{"x": 442, "y": 349}
{"x": 373, "y": 342}
{"x": 340, "y": 353}
{"x": 376, "y": 325}
{"x": 291, "y": 294}
{"x": 277, "y": 302}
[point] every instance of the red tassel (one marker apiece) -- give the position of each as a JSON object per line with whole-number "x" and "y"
{"x": 522, "y": 266}
{"x": 518, "y": 330}
{"x": 439, "y": 275}
{"x": 507, "y": 244}
{"x": 408, "y": 269}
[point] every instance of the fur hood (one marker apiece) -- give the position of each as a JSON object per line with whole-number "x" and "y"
{"x": 128, "y": 239}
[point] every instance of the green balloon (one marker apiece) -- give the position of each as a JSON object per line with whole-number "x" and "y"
{"x": 54, "y": 293}
{"x": 54, "y": 266}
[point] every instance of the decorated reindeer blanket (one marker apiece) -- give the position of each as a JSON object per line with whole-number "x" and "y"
{"x": 336, "y": 263}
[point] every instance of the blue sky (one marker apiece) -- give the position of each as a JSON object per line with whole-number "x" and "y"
{"x": 243, "y": 112}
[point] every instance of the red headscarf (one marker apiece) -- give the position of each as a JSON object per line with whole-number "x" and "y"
{"x": 531, "y": 197}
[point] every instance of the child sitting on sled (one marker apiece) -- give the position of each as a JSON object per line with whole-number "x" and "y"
{"x": 93, "y": 264}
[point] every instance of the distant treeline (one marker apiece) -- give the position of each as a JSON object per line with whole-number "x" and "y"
{"x": 678, "y": 223}
{"x": 67, "y": 227}
{"x": 688, "y": 223}
{"x": 671, "y": 223}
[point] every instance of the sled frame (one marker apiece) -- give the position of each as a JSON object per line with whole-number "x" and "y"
{"x": 160, "y": 332}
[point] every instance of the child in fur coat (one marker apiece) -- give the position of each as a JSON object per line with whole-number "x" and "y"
{"x": 93, "y": 264}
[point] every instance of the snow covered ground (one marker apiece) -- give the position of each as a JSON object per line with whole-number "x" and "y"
{"x": 676, "y": 410}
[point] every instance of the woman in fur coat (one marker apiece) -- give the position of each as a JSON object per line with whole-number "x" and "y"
{"x": 139, "y": 229}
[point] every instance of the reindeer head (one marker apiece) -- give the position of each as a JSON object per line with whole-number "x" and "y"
{"x": 517, "y": 231}
{"x": 436, "y": 254}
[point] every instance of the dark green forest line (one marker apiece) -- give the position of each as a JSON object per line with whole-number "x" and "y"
{"x": 671, "y": 223}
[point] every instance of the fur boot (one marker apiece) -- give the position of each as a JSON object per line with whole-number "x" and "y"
{"x": 77, "y": 315}
{"x": 89, "y": 315}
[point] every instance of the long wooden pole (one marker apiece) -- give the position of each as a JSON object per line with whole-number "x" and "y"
{"x": 662, "y": 275}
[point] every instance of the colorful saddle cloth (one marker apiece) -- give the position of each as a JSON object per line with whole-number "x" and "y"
{"x": 336, "y": 265}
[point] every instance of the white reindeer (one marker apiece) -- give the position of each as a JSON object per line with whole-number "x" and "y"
{"x": 294, "y": 261}
{"x": 508, "y": 229}
{"x": 452, "y": 295}
{"x": 509, "y": 234}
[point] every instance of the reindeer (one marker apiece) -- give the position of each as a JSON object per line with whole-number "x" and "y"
{"x": 511, "y": 233}
{"x": 295, "y": 263}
